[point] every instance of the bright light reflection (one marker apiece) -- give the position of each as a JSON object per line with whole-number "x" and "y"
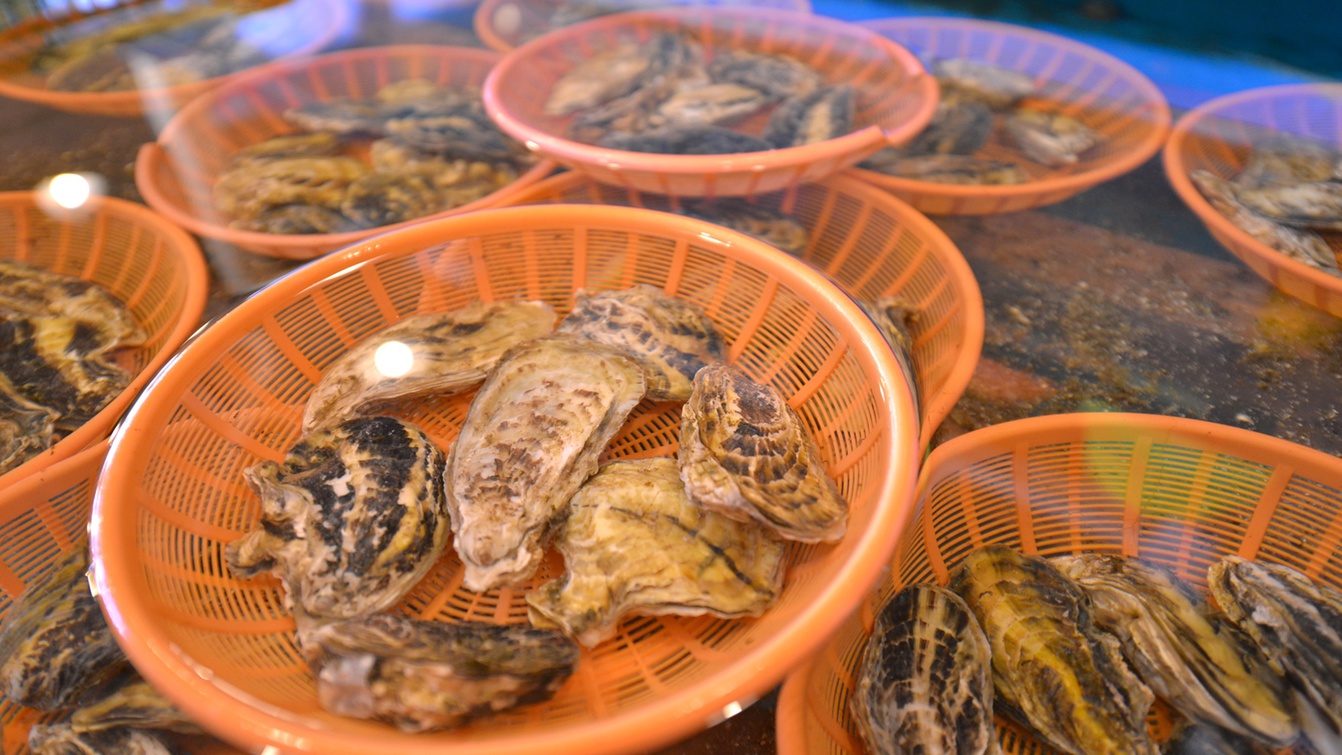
{"x": 393, "y": 359}
{"x": 731, "y": 709}
{"x": 69, "y": 190}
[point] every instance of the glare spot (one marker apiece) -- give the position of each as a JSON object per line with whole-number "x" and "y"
{"x": 393, "y": 359}
{"x": 69, "y": 190}
{"x": 731, "y": 709}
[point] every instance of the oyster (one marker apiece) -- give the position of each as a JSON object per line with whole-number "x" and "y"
{"x": 422, "y": 675}
{"x": 350, "y": 520}
{"x": 1186, "y": 658}
{"x": 345, "y": 117}
{"x": 1050, "y": 139}
{"x": 31, "y": 291}
{"x": 633, "y": 542}
{"x": 1300, "y": 245}
{"x": 893, "y": 315}
{"x": 134, "y": 704}
{"x": 924, "y": 682}
{"x": 823, "y": 114}
{"x": 778, "y": 76}
{"x": 319, "y": 144}
{"x": 375, "y": 199}
{"x": 26, "y": 428}
{"x": 619, "y": 71}
{"x": 1297, "y": 624}
{"x": 1190, "y": 738}
{"x": 1052, "y": 669}
{"x": 1284, "y": 159}
{"x": 771, "y": 227}
{"x": 670, "y": 339}
{"x": 1304, "y": 205}
{"x": 55, "y": 362}
{"x": 968, "y": 80}
{"x": 62, "y": 739}
{"x": 530, "y": 439}
{"x": 437, "y": 353}
{"x": 56, "y": 650}
{"x": 947, "y": 169}
{"x": 460, "y": 129}
{"x": 956, "y": 129}
{"x": 244, "y": 192}
{"x": 708, "y": 104}
{"x": 686, "y": 140}
{"x": 746, "y": 454}
{"x": 298, "y": 218}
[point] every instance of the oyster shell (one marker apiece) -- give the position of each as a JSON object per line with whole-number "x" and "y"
{"x": 1297, "y": 624}
{"x": 26, "y": 428}
{"x": 344, "y": 117}
{"x": 965, "y": 170}
{"x": 46, "y": 361}
{"x": 1051, "y": 139}
{"x": 436, "y": 353}
{"x": 350, "y": 520}
{"x": 619, "y": 71}
{"x": 1283, "y": 159}
{"x": 422, "y": 675}
{"x": 134, "y": 704}
{"x": 1178, "y": 651}
{"x": 893, "y": 315}
{"x": 1191, "y": 738}
{"x": 957, "y": 128}
{"x": 771, "y": 227}
{"x": 375, "y": 199}
{"x": 924, "y": 683}
{"x": 823, "y": 114}
{"x": 1052, "y": 669}
{"x": 778, "y": 76}
{"x": 968, "y": 80}
{"x": 56, "y": 650}
{"x": 461, "y": 129}
{"x": 633, "y": 542}
{"x": 670, "y": 339}
{"x": 1300, "y": 245}
{"x": 298, "y": 218}
{"x": 746, "y": 454}
{"x": 319, "y": 144}
{"x": 61, "y": 739}
{"x": 249, "y": 189}
{"x": 32, "y": 291}
{"x": 1302, "y": 205}
{"x": 530, "y": 439}
{"x": 708, "y": 104}
{"x": 686, "y": 140}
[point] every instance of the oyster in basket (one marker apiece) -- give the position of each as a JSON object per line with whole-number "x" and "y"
{"x": 462, "y": 129}
{"x": 62, "y": 739}
{"x": 621, "y": 70}
{"x": 686, "y": 140}
{"x": 530, "y": 439}
{"x": 1299, "y": 244}
{"x": 711, "y": 103}
{"x": 26, "y": 428}
{"x": 771, "y": 227}
{"x": 924, "y": 682}
{"x": 1297, "y": 624}
{"x": 671, "y": 339}
{"x": 1283, "y": 159}
{"x": 351, "y": 518}
{"x": 422, "y": 675}
{"x": 778, "y": 76}
{"x": 133, "y": 704}
{"x": 252, "y": 187}
{"x": 894, "y": 316}
{"x": 375, "y": 199}
{"x": 746, "y": 454}
{"x": 436, "y": 353}
{"x": 957, "y": 128}
{"x": 320, "y": 144}
{"x": 965, "y": 170}
{"x": 633, "y": 542}
{"x": 1187, "y": 659}
{"x": 105, "y": 323}
{"x": 298, "y": 218}
{"x": 56, "y": 650}
{"x": 823, "y": 114}
{"x": 58, "y": 363}
{"x": 1053, "y": 669}
{"x": 1051, "y": 139}
{"x": 1303, "y": 205}
{"x": 967, "y": 80}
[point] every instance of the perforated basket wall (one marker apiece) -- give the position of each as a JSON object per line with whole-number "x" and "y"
{"x": 151, "y": 266}
{"x": 1179, "y": 492}
{"x": 872, "y": 245}
{"x": 1072, "y": 78}
{"x": 177, "y": 173}
{"x": 294, "y": 29}
{"x": 174, "y": 495}
{"x": 505, "y": 24}
{"x": 1219, "y": 135}
{"x": 896, "y": 97}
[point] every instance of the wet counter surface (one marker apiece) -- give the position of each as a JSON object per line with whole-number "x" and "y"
{"x": 1117, "y": 299}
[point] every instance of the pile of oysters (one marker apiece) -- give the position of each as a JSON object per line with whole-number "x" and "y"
{"x": 987, "y": 131}
{"x": 411, "y": 150}
{"x": 360, "y": 510}
{"x": 666, "y": 95}
{"x": 1288, "y": 196}
{"x": 1077, "y": 647}
{"x": 59, "y": 336}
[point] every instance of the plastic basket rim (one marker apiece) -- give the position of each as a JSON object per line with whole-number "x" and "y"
{"x": 668, "y": 718}
{"x": 184, "y": 249}
{"x": 571, "y": 152}
{"x": 153, "y": 155}
{"x": 1176, "y": 172}
{"x": 790, "y": 719}
{"x": 484, "y": 28}
{"x": 958, "y": 269}
{"x": 1158, "y": 108}
{"x": 132, "y": 101}
{"x": 19, "y": 496}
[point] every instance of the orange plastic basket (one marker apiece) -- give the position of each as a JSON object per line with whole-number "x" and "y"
{"x": 1218, "y": 136}
{"x": 295, "y": 29}
{"x": 150, "y": 265}
{"x": 504, "y": 24}
{"x": 897, "y": 98}
{"x": 173, "y": 495}
{"x": 1094, "y": 87}
{"x": 872, "y": 245}
{"x": 176, "y": 174}
{"x": 1179, "y": 492}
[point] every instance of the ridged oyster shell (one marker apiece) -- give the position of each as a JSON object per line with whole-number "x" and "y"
{"x": 50, "y": 361}
{"x": 746, "y": 454}
{"x": 62, "y": 739}
{"x": 924, "y": 683}
{"x": 1052, "y": 668}
{"x": 633, "y": 542}
{"x": 351, "y": 518}
{"x": 531, "y": 438}
{"x": 438, "y": 353}
{"x": 423, "y": 675}
{"x": 1186, "y": 658}
{"x": 32, "y": 291}
{"x": 134, "y": 703}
